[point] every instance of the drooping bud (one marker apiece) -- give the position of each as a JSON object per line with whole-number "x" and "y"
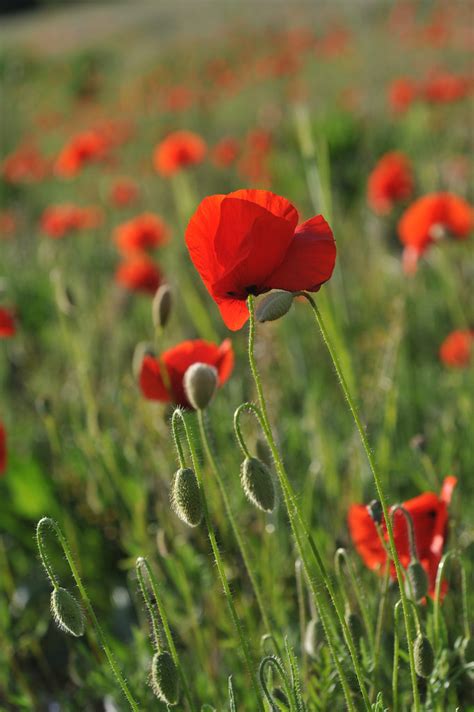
{"x": 186, "y": 497}
{"x": 281, "y": 698}
{"x": 200, "y": 384}
{"x": 313, "y": 637}
{"x": 354, "y": 624}
{"x": 273, "y": 306}
{"x": 142, "y": 349}
{"x": 161, "y": 306}
{"x": 263, "y": 452}
{"x": 67, "y": 612}
{"x": 257, "y": 482}
{"x": 417, "y": 579}
{"x": 164, "y": 678}
{"x": 375, "y": 510}
{"x": 424, "y": 656}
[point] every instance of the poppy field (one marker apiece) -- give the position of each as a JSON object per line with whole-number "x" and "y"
{"x": 236, "y": 348}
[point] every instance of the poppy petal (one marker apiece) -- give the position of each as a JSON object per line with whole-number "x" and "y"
{"x": 234, "y": 312}
{"x": 225, "y": 361}
{"x": 151, "y": 380}
{"x": 200, "y": 235}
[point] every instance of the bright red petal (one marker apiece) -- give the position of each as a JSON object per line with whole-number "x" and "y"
{"x": 365, "y": 538}
{"x": 200, "y": 234}
{"x": 234, "y": 312}
{"x": 225, "y": 361}
{"x": 151, "y": 380}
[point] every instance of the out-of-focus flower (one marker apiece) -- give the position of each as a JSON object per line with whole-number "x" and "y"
{"x": 139, "y": 274}
{"x": 142, "y": 233}
{"x": 225, "y": 152}
{"x": 124, "y": 192}
{"x": 391, "y": 181}
{"x": 456, "y": 349}
{"x": 402, "y": 92}
{"x": 25, "y": 165}
{"x": 178, "y": 150}
{"x": 161, "y": 378}
{"x": 7, "y": 323}
{"x": 83, "y": 148}
{"x": 444, "y": 87}
{"x": 57, "y": 221}
{"x": 8, "y": 224}
{"x": 178, "y": 98}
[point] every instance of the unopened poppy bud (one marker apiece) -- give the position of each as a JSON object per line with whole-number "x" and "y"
{"x": 67, "y": 612}
{"x": 281, "y": 698}
{"x": 164, "y": 678}
{"x": 375, "y": 510}
{"x": 424, "y": 656}
{"x": 313, "y": 637}
{"x": 354, "y": 624}
{"x": 263, "y": 452}
{"x": 274, "y": 306}
{"x": 417, "y": 579}
{"x": 161, "y": 306}
{"x": 258, "y": 485}
{"x": 200, "y": 383}
{"x": 141, "y": 350}
{"x": 186, "y": 497}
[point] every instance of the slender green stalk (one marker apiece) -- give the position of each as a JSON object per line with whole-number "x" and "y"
{"x": 378, "y": 629}
{"x": 342, "y": 554}
{"x": 177, "y": 418}
{"x": 437, "y": 597}
{"x": 44, "y": 523}
{"x": 396, "y": 648}
{"x": 380, "y": 493}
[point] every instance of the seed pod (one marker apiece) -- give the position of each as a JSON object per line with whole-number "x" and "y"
{"x": 313, "y": 637}
{"x": 142, "y": 349}
{"x": 67, "y": 612}
{"x": 161, "y": 306}
{"x": 418, "y": 580}
{"x": 274, "y": 306}
{"x": 186, "y": 497}
{"x": 424, "y": 656}
{"x": 258, "y": 485}
{"x": 355, "y": 626}
{"x": 164, "y": 678}
{"x": 200, "y": 383}
{"x": 375, "y": 510}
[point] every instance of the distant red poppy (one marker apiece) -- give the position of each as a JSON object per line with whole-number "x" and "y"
{"x": 225, "y": 152}
{"x": 7, "y": 323}
{"x": 430, "y": 219}
{"x": 3, "y": 450}
{"x": 391, "y": 181}
{"x": 25, "y": 165}
{"x": 143, "y": 232}
{"x": 177, "y": 151}
{"x": 430, "y": 518}
{"x": 161, "y": 378}
{"x": 124, "y": 192}
{"x": 138, "y": 274}
{"x": 57, "y": 221}
{"x": 248, "y": 242}
{"x": 81, "y": 149}
{"x": 456, "y": 350}
{"x": 8, "y": 224}
{"x": 445, "y": 87}
{"x": 402, "y": 92}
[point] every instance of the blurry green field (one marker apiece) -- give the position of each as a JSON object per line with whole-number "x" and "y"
{"x": 85, "y": 447}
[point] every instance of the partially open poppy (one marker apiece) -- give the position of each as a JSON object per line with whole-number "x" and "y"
{"x": 161, "y": 379}
{"x": 3, "y": 449}
{"x": 7, "y": 323}
{"x": 249, "y": 242}
{"x": 144, "y": 232}
{"x": 391, "y": 181}
{"x": 139, "y": 274}
{"x": 456, "y": 350}
{"x": 430, "y": 518}
{"x": 178, "y": 150}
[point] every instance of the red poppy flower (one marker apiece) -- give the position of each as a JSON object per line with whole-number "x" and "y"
{"x": 139, "y": 274}
{"x": 3, "y": 450}
{"x": 248, "y": 242}
{"x": 144, "y": 232}
{"x": 25, "y": 165}
{"x": 430, "y": 517}
{"x": 225, "y": 152}
{"x": 402, "y": 92}
{"x": 124, "y": 192}
{"x": 8, "y": 223}
{"x": 456, "y": 349}
{"x": 83, "y": 148}
{"x": 390, "y": 181}
{"x": 7, "y": 323}
{"x": 57, "y": 221}
{"x": 161, "y": 378}
{"x": 177, "y": 151}
{"x": 445, "y": 87}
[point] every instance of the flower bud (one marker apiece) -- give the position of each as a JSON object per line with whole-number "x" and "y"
{"x": 200, "y": 383}
{"x": 161, "y": 306}
{"x": 263, "y": 452}
{"x": 313, "y": 637}
{"x": 274, "y": 306}
{"x": 424, "y": 656}
{"x": 164, "y": 678}
{"x": 67, "y": 612}
{"x": 186, "y": 497}
{"x": 281, "y": 698}
{"x": 142, "y": 349}
{"x": 258, "y": 485}
{"x": 375, "y": 510}
{"x": 355, "y": 626}
{"x": 417, "y": 579}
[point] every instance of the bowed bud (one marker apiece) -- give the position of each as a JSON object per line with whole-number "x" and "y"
{"x": 164, "y": 678}
{"x": 424, "y": 656}
{"x": 258, "y": 484}
{"x": 274, "y": 306}
{"x": 313, "y": 637}
{"x": 281, "y": 698}
{"x": 186, "y": 497}
{"x": 200, "y": 383}
{"x": 161, "y": 306}
{"x": 417, "y": 579}
{"x": 67, "y": 612}
{"x": 375, "y": 510}
{"x": 355, "y": 626}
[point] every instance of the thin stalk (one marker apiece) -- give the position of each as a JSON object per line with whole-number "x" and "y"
{"x": 396, "y": 649}
{"x": 437, "y": 597}
{"x": 379, "y": 627}
{"x": 380, "y": 493}
{"x": 178, "y": 416}
{"x": 342, "y": 554}
{"x": 47, "y": 522}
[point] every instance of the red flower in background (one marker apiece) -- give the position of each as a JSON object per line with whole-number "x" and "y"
{"x": 84, "y": 148}
{"x": 178, "y": 150}
{"x": 225, "y": 152}
{"x": 3, "y": 449}
{"x": 8, "y": 224}
{"x": 144, "y": 232}
{"x": 391, "y": 181}
{"x": 124, "y": 192}
{"x": 444, "y": 87}
{"x": 139, "y": 274}
{"x": 456, "y": 349}
{"x": 57, "y": 221}
{"x": 248, "y": 242}
{"x": 25, "y": 165}
{"x": 431, "y": 218}
{"x": 161, "y": 378}
{"x": 430, "y": 519}
{"x": 402, "y": 92}
{"x": 7, "y": 323}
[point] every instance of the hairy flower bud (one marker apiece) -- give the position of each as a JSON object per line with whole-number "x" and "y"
{"x": 186, "y": 497}
{"x": 274, "y": 306}
{"x": 67, "y": 612}
{"x": 263, "y": 452}
{"x": 375, "y": 510}
{"x": 417, "y": 579}
{"x": 200, "y": 383}
{"x": 164, "y": 678}
{"x": 257, "y": 482}
{"x": 424, "y": 656}
{"x": 161, "y": 306}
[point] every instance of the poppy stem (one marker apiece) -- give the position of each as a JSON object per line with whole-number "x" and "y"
{"x": 437, "y": 597}
{"x": 47, "y": 523}
{"x": 380, "y": 493}
{"x": 342, "y": 555}
{"x": 294, "y": 514}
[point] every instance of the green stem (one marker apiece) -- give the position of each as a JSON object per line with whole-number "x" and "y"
{"x": 437, "y": 597}
{"x": 342, "y": 554}
{"x": 379, "y": 627}
{"x": 380, "y": 493}
{"x": 49, "y": 523}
